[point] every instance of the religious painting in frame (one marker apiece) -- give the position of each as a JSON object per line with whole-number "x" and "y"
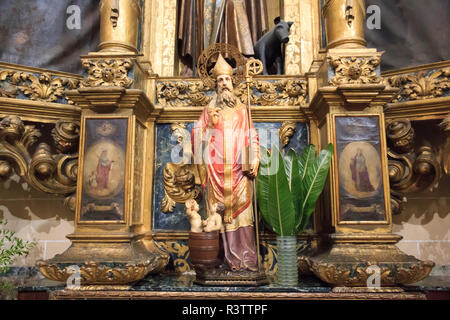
{"x": 361, "y": 184}
{"x": 103, "y": 171}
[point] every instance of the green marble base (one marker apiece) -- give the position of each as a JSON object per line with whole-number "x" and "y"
{"x": 184, "y": 287}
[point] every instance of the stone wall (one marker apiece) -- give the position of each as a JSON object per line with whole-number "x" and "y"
{"x": 425, "y": 226}
{"x": 35, "y": 216}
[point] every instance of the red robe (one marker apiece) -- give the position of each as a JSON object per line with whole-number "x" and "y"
{"x": 220, "y": 147}
{"x": 103, "y": 174}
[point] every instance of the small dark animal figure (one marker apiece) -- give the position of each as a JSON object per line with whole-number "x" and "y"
{"x": 268, "y": 47}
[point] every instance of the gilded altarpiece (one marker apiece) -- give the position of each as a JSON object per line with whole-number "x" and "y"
{"x": 130, "y": 190}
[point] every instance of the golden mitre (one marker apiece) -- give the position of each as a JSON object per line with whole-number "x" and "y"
{"x": 222, "y": 67}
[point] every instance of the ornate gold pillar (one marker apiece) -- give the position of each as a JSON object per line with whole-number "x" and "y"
{"x": 359, "y": 253}
{"x": 344, "y": 23}
{"x": 112, "y": 243}
{"x": 119, "y": 23}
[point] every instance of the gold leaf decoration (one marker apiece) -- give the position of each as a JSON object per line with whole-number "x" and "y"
{"x": 355, "y": 70}
{"x": 286, "y": 131}
{"x": 107, "y": 72}
{"x": 286, "y": 92}
{"x": 422, "y": 85}
{"x": 182, "y": 93}
{"x": 40, "y": 87}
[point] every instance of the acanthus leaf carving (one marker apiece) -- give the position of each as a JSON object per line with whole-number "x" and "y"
{"x": 107, "y": 72}
{"x": 182, "y": 93}
{"x": 39, "y": 87}
{"x": 286, "y": 92}
{"x": 355, "y": 70}
{"x": 421, "y": 85}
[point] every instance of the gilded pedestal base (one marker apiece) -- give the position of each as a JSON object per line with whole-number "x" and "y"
{"x": 104, "y": 265}
{"x": 356, "y": 262}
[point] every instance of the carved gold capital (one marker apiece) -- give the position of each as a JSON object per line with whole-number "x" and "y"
{"x": 355, "y": 70}
{"x": 107, "y": 72}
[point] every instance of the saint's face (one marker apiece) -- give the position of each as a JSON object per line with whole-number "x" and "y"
{"x": 224, "y": 83}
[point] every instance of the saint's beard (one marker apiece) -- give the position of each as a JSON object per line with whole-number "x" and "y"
{"x": 225, "y": 97}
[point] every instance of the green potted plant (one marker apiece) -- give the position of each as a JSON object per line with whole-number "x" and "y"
{"x": 287, "y": 190}
{"x": 10, "y": 248}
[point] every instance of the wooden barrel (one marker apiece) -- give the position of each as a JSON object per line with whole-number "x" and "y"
{"x": 204, "y": 248}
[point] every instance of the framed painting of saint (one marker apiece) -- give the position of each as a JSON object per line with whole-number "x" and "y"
{"x": 103, "y": 172}
{"x": 361, "y": 184}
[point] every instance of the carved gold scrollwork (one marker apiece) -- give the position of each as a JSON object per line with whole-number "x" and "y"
{"x": 180, "y": 255}
{"x": 182, "y": 93}
{"x": 357, "y": 275}
{"x": 287, "y": 92}
{"x": 355, "y": 70}
{"x": 182, "y": 181}
{"x": 422, "y": 85}
{"x": 45, "y": 170}
{"x": 42, "y": 87}
{"x": 94, "y": 273}
{"x": 107, "y": 72}
{"x": 286, "y": 131}
{"x": 409, "y": 171}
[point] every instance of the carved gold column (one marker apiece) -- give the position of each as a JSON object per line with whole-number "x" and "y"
{"x": 344, "y": 23}
{"x": 112, "y": 244}
{"x": 119, "y": 22}
{"x": 359, "y": 247}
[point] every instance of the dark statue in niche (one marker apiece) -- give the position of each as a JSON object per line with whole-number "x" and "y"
{"x": 268, "y": 47}
{"x": 239, "y": 23}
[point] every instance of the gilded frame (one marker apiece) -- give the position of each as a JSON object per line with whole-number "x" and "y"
{"x": 127, "y": 175}
{"x": 384, "y": 176}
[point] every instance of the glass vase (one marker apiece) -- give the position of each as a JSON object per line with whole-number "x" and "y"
{"x": 287, "y": 272}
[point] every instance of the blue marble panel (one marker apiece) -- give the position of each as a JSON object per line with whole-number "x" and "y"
{"x": 165, "y": 143}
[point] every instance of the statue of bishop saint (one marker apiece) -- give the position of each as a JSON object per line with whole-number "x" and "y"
{"x": 225, "y": 141}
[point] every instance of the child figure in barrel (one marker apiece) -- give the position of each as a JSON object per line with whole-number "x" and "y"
{"x": 214, "y": 221}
